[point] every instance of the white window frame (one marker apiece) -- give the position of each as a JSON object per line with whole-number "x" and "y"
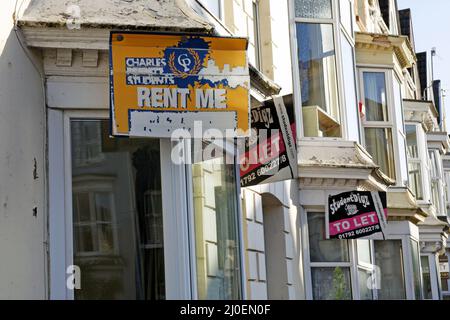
{"x": 179, "y": 228}
{"x": 391, "y": 123}
{"x": 257, "y": 34}
{"x": 434, "y": 277}
{"x": 348, "y": 33}
{"x": 447, "y": 190}
{"x": 336, "y": 26}
{"x": 221, "y": 9}
{"x": 421, "y": 160}
{"x": 369, "y": 267}
{"x": 354, "y": 264}
{"x": 445, "y": 293}
{"x": 438, "y": 178}
{"x": 175, "y": 214}
{"x": 407, "y": 263}
{"x": 308, "y": 265}
{"x": 101, "y": 185}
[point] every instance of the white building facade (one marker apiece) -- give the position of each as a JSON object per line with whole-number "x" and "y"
{"x": 134, "y": 225}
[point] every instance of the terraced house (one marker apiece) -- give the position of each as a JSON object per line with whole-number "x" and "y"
{"x": 128, "y": 223}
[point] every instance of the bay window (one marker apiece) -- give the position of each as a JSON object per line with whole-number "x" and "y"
{"x": 359, "y": 269}
{"x": 444, "y": 275}
{"x": 414, "y": 161}
{"x": 389, "y": 258}
{"x": 447, "y": 191}
{"x": 329, "y": 262}
{"x": 436, "y": 181}
{"x": 315, "y": 30}
{"x": 427, "y": 286}
{"x": 377, "y": 120}
{"x": 417, "y": 275}
{"x": 366, "y": 270}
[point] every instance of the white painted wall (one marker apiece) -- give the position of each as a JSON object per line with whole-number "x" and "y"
{"x": 257, "y": 272}
{"x": 22, "y": 127}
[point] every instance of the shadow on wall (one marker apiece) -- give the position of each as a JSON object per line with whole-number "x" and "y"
{"x": 275, "y": 248}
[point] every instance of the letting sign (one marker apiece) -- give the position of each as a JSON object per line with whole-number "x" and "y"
{"x": 161, "y": 83}
{"x": 270, "y": 153}
{"x": 356, "y": 214}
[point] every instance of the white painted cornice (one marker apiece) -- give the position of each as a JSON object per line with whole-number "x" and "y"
{"x": 398, "y": 45}
{"x": 335, "y": 163}
{"x": 439, "y": 140}
{"x": 402, "y": 205}
{"x": 433, "y": 234}
{"x": 162, "y": 15}
{"x": 421, "y": 111}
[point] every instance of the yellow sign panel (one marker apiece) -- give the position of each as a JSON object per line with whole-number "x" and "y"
{"x": 164, "y": 82}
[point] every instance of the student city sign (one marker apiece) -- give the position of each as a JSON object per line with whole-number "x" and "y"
{"x": 356, "y": 214}
{"x": 160, "y": 83}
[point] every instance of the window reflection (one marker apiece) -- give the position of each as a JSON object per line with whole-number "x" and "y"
{"x": 389, "y": 257}
{"x": 117, "y": 214}
{"x": 216, "y": 233}
{"x": 318, "y": 78}
{"x": 322, "y": 250}
{"x": 329, "y": 283}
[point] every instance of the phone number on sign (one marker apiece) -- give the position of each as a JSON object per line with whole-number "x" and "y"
{"x": 359, "y": 232}
{"x": 264, "y": 170}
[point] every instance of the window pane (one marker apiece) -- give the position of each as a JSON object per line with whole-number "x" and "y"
{"x": 435, "y": 196}
{"x": 331, "y": 283}
{"x": 216, "y": 234}
{"x": 105, "y": 234}
{"x": 313, "y": 9}
{"x": 346, "y": 17}
{"x": 443, "y": 271}
{"x": 103, "y": 206}
{"x": 84, "y": 239}
{"x": 322, "y": 250}
{"x": 415, "y": 179}
{"x": 82, "y": 211}
{"x": 364, "y": 251}
{"x": 110, "y": 246}
{"x": 433, "y": 164}
{"x": 427, "y": 290}
{"x": 411, "y": 140}
{"x": 213, "y": 6}
{"x": 389, "y": 258}
{"x": 316, "y": 54}
{"x": 379, "y": 145}
{"x": 85, "y": 143}
{"x": 416, "y": 270}
{"x": 153, "y": 218}
{"x": 375, "y": 96}
{"x": 365, "y": 281}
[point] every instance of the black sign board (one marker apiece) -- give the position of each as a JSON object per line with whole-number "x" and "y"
{"x": 356, "y": 214}
{"x": 270, "y": 154}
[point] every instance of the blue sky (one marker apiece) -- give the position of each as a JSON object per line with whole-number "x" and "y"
{"x": 431, "y": 22}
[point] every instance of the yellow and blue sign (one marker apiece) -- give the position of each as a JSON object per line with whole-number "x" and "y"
{"x": 164, "y": 82}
